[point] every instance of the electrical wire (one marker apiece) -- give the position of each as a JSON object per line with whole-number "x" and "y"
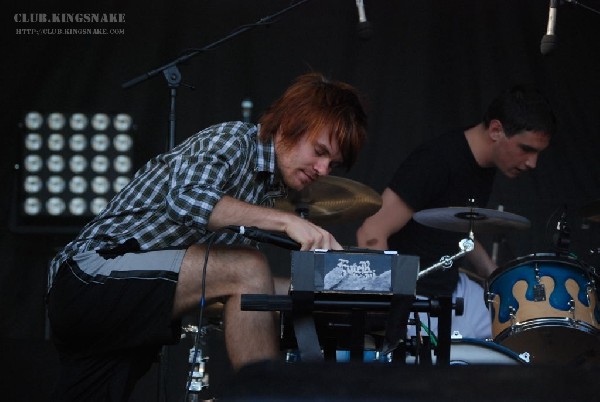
{"x": 201, "y": 314}
{"x": 434, "y": 341}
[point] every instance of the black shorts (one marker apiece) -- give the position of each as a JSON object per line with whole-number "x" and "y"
{"x": 109, "y": 318}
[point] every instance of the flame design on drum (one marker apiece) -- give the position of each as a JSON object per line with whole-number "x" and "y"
{"x": 566, "y": 292}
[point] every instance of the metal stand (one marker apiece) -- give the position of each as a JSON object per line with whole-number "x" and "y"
{"x": 198, "y": 356}
{"x": 465, "y": 245}
{"x": 173, "y": 75}
{"x": 330, "y": 315}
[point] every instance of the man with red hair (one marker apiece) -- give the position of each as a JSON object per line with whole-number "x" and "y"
{"x": 120, "y": 288}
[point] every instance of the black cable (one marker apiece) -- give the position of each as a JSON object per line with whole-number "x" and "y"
{"x": 417, "y": 336}
{"x": 201, "y": 314}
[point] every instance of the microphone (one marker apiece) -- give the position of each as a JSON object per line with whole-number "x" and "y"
{"x": 549, "y": 40}
{"x": 247, "y": 106}
{"x": 264, "y": 236}
{"x": 364, "y": 27}
{"x": 562, "y": 237}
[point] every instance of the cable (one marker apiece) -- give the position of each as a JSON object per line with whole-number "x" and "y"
{"x": 201, "y": 314}
{"x": 418, "y": 338}
{"x": 434, "y": 341}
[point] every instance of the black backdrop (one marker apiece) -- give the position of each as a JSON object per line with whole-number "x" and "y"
{"x": 430, "y": 65}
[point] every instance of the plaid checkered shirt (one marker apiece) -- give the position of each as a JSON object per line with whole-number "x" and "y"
{"x": 169, "y": 200}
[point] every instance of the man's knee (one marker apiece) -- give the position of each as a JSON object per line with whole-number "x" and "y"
{"x": 254, "y": 258}
{"x": 254, "y": 271}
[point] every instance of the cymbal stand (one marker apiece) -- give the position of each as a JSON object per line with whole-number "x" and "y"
{"x": 466, "y": 245}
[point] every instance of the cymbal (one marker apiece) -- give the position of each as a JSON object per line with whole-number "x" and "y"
{"x": 459, "y": 219}
{"x": 591, "y": 211}
{"x": 332, "y": 199}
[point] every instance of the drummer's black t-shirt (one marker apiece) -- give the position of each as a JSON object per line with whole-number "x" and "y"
{"x": 439, "y": 174}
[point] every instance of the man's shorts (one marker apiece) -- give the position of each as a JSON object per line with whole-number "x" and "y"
{"x": 109, "y": 317}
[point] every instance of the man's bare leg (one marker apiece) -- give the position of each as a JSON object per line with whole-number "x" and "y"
{"x": 249, "y": 335}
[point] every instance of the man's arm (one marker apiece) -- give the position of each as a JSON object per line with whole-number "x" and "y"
{"x": 391, "y": 217}
{"x": 230, "y": 211}
{"x": 479, "y": 261}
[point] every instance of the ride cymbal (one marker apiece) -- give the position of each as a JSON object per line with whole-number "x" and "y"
{"x": 332, "y": 199}
{"x": 463, "y": 219}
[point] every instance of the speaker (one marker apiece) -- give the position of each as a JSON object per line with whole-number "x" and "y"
{"x": 365, "y": 382}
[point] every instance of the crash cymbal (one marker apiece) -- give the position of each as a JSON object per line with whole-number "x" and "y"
{"x": 332, "y": 199}
{"x": 459, "y": 219}
{"x": 591, "y": 211}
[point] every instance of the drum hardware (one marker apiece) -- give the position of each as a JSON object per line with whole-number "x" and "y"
{"x": 572, "y": 309}
{"x": 465, "y": 245}
{"x": 513, "y": 317}
{"x": 539, "y": 290}
{"x": 562, "y": 237}
{"x": 198, "y": 378}
{"x": 331, "y": 200}
{"x": 466, "y": 219}
{"x": 525, "y": 356}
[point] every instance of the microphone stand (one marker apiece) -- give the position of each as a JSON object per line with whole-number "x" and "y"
{"x": 173, "y": 75}
{"x": 583, "y": 5}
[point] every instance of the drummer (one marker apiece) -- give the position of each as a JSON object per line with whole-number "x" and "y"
{"x": 449, "y": 171}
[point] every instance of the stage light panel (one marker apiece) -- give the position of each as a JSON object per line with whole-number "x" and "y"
{"x": 56, "y": 121}
{"x": 71, "y": 165}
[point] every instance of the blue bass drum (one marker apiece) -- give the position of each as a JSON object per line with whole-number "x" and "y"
{"x": 546, "y": 306}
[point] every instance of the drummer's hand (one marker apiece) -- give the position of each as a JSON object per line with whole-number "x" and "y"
{"x": 311, "y": 236}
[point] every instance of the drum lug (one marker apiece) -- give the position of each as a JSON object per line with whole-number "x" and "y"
{"x": 590, "y": 289}
{"x": 572, "y": 309}
{"x": 525, "y": 356}
{"x": 513, "y": 317}
{"x": 539, "y": 290}
{"x": 490, "y": 299}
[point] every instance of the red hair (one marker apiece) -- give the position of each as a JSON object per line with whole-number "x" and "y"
{"x": 313, "y": 103}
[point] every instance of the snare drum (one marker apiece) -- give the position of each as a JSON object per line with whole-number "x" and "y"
{"x": 546, "y": 305}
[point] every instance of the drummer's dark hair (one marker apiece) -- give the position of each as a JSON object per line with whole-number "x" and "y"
{"x": 314, "y": 103}
{"x": 522, "y": 108}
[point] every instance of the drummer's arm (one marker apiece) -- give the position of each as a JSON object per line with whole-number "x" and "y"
{"x": 391, "y": 217}
{"x": 479, "y": 261}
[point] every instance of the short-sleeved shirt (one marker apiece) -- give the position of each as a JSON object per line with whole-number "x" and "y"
{"x": 440, "y": 173}
{"x": 169, "y": 201}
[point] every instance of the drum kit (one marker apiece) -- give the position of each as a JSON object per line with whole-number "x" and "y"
{"x": 544, "y": 306}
